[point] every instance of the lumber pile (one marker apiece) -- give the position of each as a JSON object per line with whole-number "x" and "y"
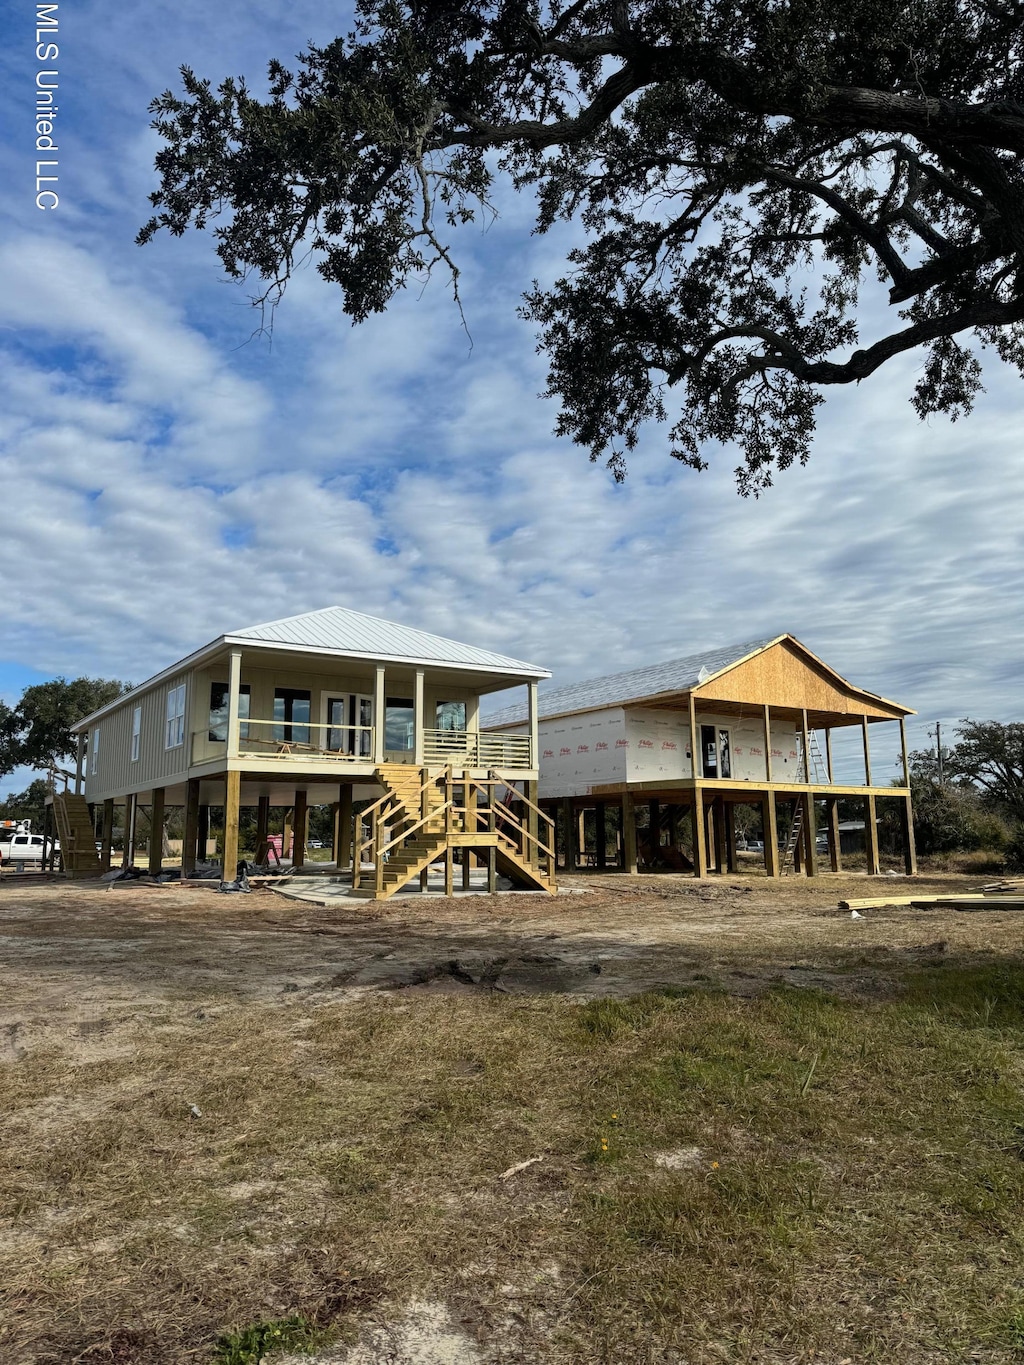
{"x": 996, "y": 896}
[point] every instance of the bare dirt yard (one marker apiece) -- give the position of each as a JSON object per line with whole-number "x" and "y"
{"x": 649, "y": 1120}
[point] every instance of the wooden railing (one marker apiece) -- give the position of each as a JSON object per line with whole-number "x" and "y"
{"x": 281, "y": 742}
{"x": 470, "y": 749}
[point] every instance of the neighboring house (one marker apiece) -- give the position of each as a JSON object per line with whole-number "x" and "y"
{"x": 331, "y": 706}
{"x": 752, "y": 714}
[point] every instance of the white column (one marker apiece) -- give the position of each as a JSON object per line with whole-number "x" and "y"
{"x": 534, "y": 724}
{"x": 80, "y": 766}
{"x": 234, "y": 688}
{"x": 379, "y": 704}
{"x": 417, "y": 720}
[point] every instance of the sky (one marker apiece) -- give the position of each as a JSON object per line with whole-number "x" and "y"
{"x": 167, "y": 475}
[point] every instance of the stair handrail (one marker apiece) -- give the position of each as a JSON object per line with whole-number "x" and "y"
{"x": 528, "y": 837}
{"x": 411, "y": 829}
{"x": 378, "y": 821}
{"x": 521, "y": 796}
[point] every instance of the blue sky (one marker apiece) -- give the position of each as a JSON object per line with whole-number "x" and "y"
{"x": 166, "y": 476}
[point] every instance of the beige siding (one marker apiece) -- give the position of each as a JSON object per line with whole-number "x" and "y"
{"x": 116, "y": 772}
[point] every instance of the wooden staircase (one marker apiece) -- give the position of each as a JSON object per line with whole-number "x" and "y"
{"x": 418, "y": 822}
{"x": 76, "y": 835}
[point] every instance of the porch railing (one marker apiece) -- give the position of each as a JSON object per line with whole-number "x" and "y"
{"x": 287, "y": 739}
{"x": 468, "y": 748}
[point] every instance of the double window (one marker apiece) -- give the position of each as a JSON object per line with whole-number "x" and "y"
{"x": 219, "y": 693}
{"x": 291, "y": 708}
{"x": 451, "y": 715}
{"x": 175, "y": 731}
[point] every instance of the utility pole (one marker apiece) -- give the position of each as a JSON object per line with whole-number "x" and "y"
{"x": 937, "y": 732}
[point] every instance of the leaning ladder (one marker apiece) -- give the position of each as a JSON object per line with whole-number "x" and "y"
{"x": 789, "y": 852}
{"x": 821, "y": 773}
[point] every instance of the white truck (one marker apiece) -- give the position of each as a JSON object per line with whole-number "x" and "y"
{"x": 19, "y": 847}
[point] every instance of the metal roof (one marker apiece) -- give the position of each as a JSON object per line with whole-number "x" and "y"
{"x": 338, "y": 630}
{"x": 676, "y": 675}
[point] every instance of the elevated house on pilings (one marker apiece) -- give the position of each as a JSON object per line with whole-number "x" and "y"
{"x": 759, "y": 717}
{"x": 329, "y": 707}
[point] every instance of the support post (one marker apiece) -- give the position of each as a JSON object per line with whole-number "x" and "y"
{"x": 871, "y": 836}
{"x": 569, "y": 833}
{"x": 909, "y": 842}
{"x": 418, "y": 719}
{"x": 470, "y": 825}
{"x": 700, "y": 845}
{"x": 232, "y": 792}
{"x": 629, "y": 833}
{"x": 805, "y": 740}
{"x": 770, "y": 828}
{"x": 905, "y": 755}
{"x": 234, "y": 688}
{"x": 299, "y": 830}
{"x": 811, "y": 834}
{"x": 203, "y": 835}
{"x": 156, "y": 833}
{"x": 834, "y": 847}
{"x": 867, "y": 752}
{"x": 131, "y": 802}
{"x": 106, "y": 834}
{"x": 828, "y": 755}
{"x": 379, "y": 714}
{"x": 343, "y": 834}
{"x": 492, "y": 852}
{"x": 533, "y": 716}
{"x": 721, "y": 834}
{"x": 190, "y": 833}
{"x": 602, "y": 836}
{"x": 80, "y": 765}
{"x": 262, "y": 820}
{"x": 730, "y": 835}
{"x": 531, "y": 791}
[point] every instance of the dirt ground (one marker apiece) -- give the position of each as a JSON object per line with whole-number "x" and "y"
{"x": 80, "y": 962}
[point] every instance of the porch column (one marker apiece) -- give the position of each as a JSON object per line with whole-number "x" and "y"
{"x": 730, "y": 836}
{"x": 906, "y": 758}
{"x": 871, "y": 836}
{"x": 828, "y": 756}
{"x": 770, "y": 832}
{"x": 531, "y": 790}
{"x": 299, "y": 830}
{"x": 628, "y": 833}
{"x": 232, "y": 791}
{"x": 534, "y": 723}
{"x": 203, "y": 833}
{"x": 654, "y": 828}
{"x": 80, "y": 765}
{"x": 106, "y": 834}
{"x": 811, "y": 834}
{"x": 834, "y": 848}
{"x": 867, "y": 752}
{"x": 234, "y": 688}
{"x": 156, "y": 833}
{"x": 343, "y": 828}
{"x": 130, "y": 808}
{"x": 190, "y": 833}
{"x": 602, "y": 836}
{"x": 699, "y": 828}
{"x": 805, "y": 740}
{"x": 262, "y": 822}
{"x": 418, "y": 713}
{"x": 767, "y": 744}
{"x": 378, "y": 715}
{"x": 695, "y": 763}
{"x": 909, "y": 843}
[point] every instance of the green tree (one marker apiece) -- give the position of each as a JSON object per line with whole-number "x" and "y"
{"x": 36, "y": 732}
{"x": 743, "y": 170}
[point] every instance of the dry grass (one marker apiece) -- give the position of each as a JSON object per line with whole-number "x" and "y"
{"x": 850, "y": 1186}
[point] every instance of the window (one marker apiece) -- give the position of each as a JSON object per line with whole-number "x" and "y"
{"x": 451, "y": 715}
{"x": 136, "y": 732}
{"x": 398, "y": 724}
{"x": 175, "y": 717}
{"x": 94, "y": 762}
{"x": 219, "y": 711}
{"x": 291, "y": 706}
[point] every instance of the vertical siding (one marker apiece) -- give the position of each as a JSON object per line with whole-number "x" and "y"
{"x": 157, "y": 766}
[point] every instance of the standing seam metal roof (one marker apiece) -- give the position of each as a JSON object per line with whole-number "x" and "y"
{"x": 675, "y": 675}
{"x": 338, "y": 629}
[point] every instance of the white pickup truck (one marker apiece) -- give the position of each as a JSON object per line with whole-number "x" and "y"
{"x": 19, "y": 847}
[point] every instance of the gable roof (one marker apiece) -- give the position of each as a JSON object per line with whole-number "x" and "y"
{"x": 339, "y": 630}
{"x": 638, "y": 684}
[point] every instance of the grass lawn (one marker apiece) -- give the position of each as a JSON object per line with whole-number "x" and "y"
{"x": 791, "y": 1177}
